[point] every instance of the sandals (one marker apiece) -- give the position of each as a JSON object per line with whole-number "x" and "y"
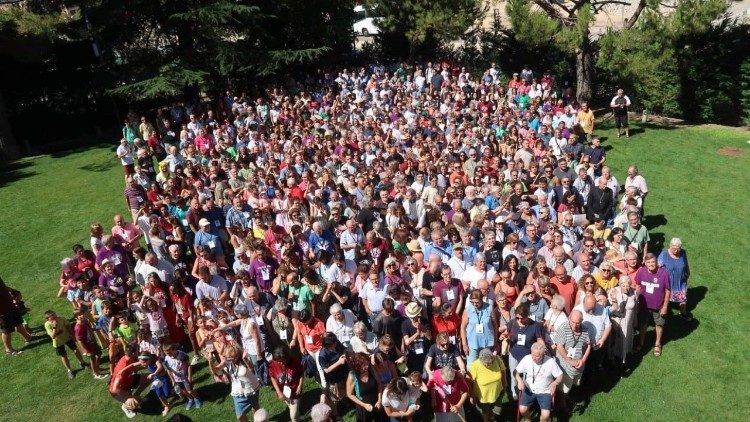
{"x": 657, "y": 350}
{"x": 13, "y": 352}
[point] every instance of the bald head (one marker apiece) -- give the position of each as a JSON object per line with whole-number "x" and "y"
{"x": 589, "y": 303}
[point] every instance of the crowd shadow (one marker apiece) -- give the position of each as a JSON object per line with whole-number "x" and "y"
{"x": 653, "y": 221}
{"x": 656, "y": 244}
{"x": 15, "y": 171}
{"x": 98, "y": 167}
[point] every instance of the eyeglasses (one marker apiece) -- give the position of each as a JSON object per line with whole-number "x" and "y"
{"x": 589, "y": 283}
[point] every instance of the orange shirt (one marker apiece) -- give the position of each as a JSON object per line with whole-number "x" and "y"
{"x": 448, "y": 326}
{"x": 567, "y": 290}
{"x": 311, "y": 338}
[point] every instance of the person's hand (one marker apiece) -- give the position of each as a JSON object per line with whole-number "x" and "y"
{"x": 369, "y": 407}
{"x": 663, "y": 312}
{"x": 521, "y": 385}
{"x": 599, "y": 344}
{"x": 280, "y": 396}
{"x": 342, "y": 359}
{"x": 378, "y": 405}
{"x": 578, "y": 364}
{"x": 552, "y": 388}
{"x": 150, "y": 377}
{"x": 454, "y": 409}
{"x": 465, "y": 346}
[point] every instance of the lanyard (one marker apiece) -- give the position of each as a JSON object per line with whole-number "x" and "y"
{"x": 533, "y": 375}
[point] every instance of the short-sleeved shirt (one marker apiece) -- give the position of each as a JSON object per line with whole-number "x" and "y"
{"x": 126, "y": 376}
{"x": 575, "y": 346}
{"x": 63, "y": 336}
{"x": 213, "y": 289}
{"x": 444, "y": 396}
{"x": 401, "y": 404}
{"x": 443, "y": 358}
{"x": 326, "y": 359}
{"x": 653, "y": 286}
{"x": 521, "y": 338}
{"x": 312, "y": 337}
{"x": 288, "y": 375}
{"x": 596, "y": 321}
{"x": 538, "y": 377}
{"x": 302, "y": 297}
{"x": 177, "y": 365}
{"x": 488, "y": 384}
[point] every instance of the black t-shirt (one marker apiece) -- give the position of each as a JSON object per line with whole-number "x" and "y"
{"x": 388, "y": 324}
{"x": 328, "y": 358}
{"x": 443, "y": 358}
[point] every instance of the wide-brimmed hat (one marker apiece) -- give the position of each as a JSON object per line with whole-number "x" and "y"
{"x": 413, "y": 310}
{"x": 414, "y": 246}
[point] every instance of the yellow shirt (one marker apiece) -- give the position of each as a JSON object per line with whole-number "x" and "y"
{"x": 586, "y": 120}
{"x": 63, "y": 336}
{"x": 604, "y": 283}
{"x": 600, "y": 234}
{"x": 488, "y": 382}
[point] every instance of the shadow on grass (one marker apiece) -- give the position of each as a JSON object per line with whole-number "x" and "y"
{"x": 694, "y": 296}
{"x": 215, "y": 392}
{"x": 656, "y": 244}
{"x": 13, "y": 172}
{"x": 98, "y": 167}
{"x": 653, "y": 221}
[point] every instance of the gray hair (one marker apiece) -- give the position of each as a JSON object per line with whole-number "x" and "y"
{"x": 321, "y": 412}
{"x": 479, "y": 255}
{"x": 261, "y": 415}
{"x": 448, "y": 374}
{"x": 486, "y": 356}
{"x": 624, "y": 279}
{"x": 539, "y": 347}
{"x": 66, "y": 263}
{"x": 281, "y": 304}
{"x": 558, "y": 302}
{"x": 241, "y": 310}
{"x": 676, "y": 241}
{"x": 359, "y": 327}
{"x": 334, "y": 308}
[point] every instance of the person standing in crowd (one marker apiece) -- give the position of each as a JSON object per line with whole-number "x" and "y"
{"x": 488, "y": 383}
{"x": 620, "y": 104}
{"x": 653, "y": 287}
{"x": 537, "y": 376}
{"x": 572, "y": 345}
{"x": 11, "y": 318}
{"x": 59, "y": 330}
{"x": 674, "y": 261}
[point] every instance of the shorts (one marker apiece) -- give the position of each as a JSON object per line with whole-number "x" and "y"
{"x": 569, "y": 381}
{"x": 621, "y": 120}
{"x": 180, "y": 386}
{"x": 8, "y": 322}
{"x": 60, "y": 350}
{"x": 163, "y": 390}
{"x": 528, "y": 399}
{"x": 335, "y": 392}
{"x": 491, "y": 407}
{"x": 647, "y": 316}
{"x": 243, "y": 404}
{"x": 129, "y": 169}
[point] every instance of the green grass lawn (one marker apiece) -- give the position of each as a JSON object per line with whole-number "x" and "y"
{"x": 696, "y": 194}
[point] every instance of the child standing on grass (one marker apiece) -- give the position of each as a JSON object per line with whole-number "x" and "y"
{"x": 59, "y": 331}
{"x": 181, "y": 374}
{"x": 157, "y": 375}
{"x": 86, "y": 340}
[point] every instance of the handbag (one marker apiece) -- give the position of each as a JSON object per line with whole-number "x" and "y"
{"x": 310, "y": 368}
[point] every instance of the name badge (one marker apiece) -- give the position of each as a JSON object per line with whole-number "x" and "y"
{"x": 116, "y": 259}
{"x": 125, "y": 235}
{"x": 282, "y": 334}
{"x": 479, "y": 328}
{"x": 296, "y": 307}
{"x": 416, "y": 292}
{"x": 448, "y": 389}
{"x": 287, "y": 392}
{"x": 450, "y": 295}
{"x": 217, "y": 223}
{"x": 573, "y": 353}
{"x": 452, "y": 339}
{"x": 419, "y": 349}
{"x": 184, "y": 222}
{"x": 650, "y": 287}
{"x": 259, "y": 320}
{"x": 246, "y": 214}
{"x": 521, "y": 340}
{"x": 211, "y": 244}
{"x": 532, "y": 317}
{"x": 265, "y": 273}
{"x": 308, "y": 339}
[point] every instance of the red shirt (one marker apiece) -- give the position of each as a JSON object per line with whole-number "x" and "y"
{"x": 127, "y": 378}
{"x": 315, "y": 333}
{"x": 288, "y": 375}
{"x": 449, "y": 325}
{"x": 567, "y": 290}
{"x": 444, "y": 396}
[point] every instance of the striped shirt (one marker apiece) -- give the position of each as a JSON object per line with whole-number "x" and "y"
{"x": 574, "y": 344}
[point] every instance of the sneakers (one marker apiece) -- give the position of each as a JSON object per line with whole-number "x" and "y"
{"x": 198, "y": 403}
{"x": 195, "y": 360}
{"x": 189, "y": 405}
{"x": 101, "y": 376}
{"x": 129, "y": 413}
{"x": 71, "y": 375}
{"x": 13, "y": 352}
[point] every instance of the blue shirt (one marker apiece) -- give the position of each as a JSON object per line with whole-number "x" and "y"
{"x": 211, "y": 240}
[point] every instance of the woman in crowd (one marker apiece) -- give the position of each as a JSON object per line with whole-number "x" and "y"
{"x": 674, "y": 260}
{"x": 488, "y": 382}
{"x": 364, "y": 389}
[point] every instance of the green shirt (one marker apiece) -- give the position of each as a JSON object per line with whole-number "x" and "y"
{"x": 302, "y": 297}
{"x": 63, "y": 332}
{"x": 638, "y": 236}
{"x": 127, "y": 333}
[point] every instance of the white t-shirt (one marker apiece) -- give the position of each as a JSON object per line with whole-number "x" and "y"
{"x": 556, "y": 321}
{"x": 538, "y": 377}
{"x": 401, "y": 404}
{"x": 472, "y": 275}
{"x": 344, "y": 330}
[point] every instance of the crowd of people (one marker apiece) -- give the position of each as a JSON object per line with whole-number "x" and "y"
{"x": 416, "y": 241}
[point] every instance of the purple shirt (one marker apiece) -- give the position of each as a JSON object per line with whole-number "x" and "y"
{"x": 117, "y": 255}
{"x": 263, "y": 273}
{"x": 653, "y": 286}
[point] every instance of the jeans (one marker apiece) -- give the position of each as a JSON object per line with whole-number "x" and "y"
{"x": 512, "y": 363}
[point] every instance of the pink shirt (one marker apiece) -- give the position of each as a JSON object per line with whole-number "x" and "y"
{"x": 125, "y": 234}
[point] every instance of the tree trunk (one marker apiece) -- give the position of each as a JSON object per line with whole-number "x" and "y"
{"x": 584, "y": 71}
{"x": 8, "y": 145}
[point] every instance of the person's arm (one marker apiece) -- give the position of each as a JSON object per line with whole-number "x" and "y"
{"x": 277, "y": 389}
{"x": 300, "y": 386}
{"x": 428, "y": 366}
{"x": 194, "y": 272}
{"x": 665, "y": 306}
{"x": 464, "y": 324}
{"x": 603, "y": 340}
{"x": 461, "y": 364}
{"x": 339, "y": 362}
{"x": 301, "y": 340}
